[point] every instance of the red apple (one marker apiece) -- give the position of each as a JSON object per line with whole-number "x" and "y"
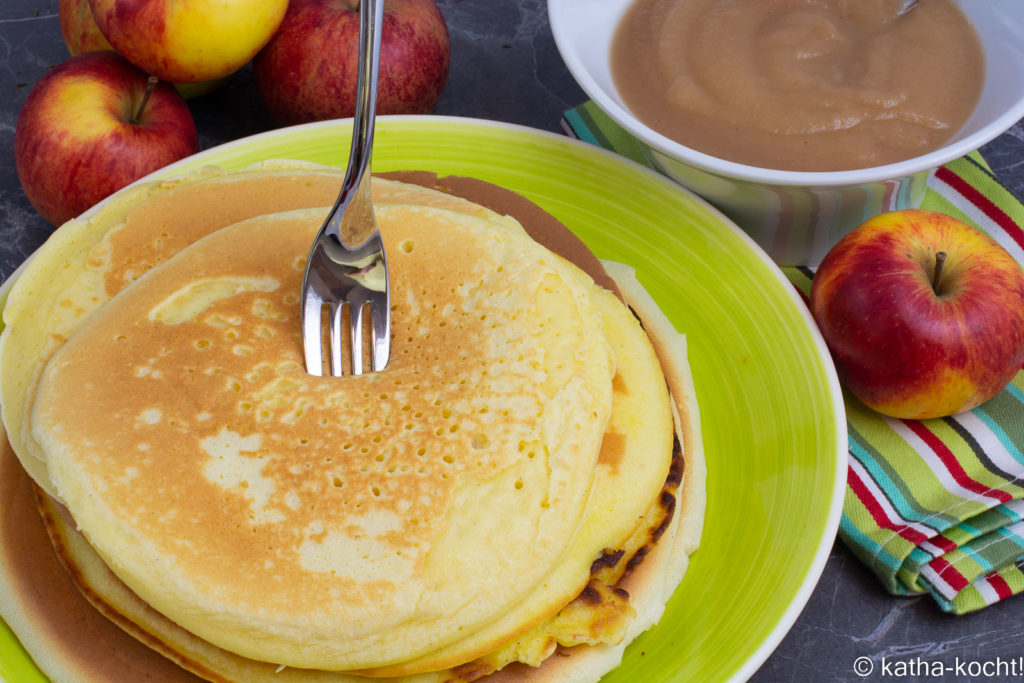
{"x": 915, "y": 336}
{"x": 88, "y": 128}
{"x": 307, "y": 72}
{"x": 187, "y": 41}
{"x": 79, "y": 29}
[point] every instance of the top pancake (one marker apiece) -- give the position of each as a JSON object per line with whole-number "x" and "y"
{"x": 349, "y": 523}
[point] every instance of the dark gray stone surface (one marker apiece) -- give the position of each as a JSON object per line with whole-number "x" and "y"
{"x": 506, "y": 67}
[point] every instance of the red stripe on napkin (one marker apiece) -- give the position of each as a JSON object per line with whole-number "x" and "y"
{"x": 949, "y": 574}
{"x": 952, "y": 465}
{"x": 973, "y": 195}
{"x": 878, "y": 514}
{"x": 942, "y": 544}
{"x": 999, "y": 585}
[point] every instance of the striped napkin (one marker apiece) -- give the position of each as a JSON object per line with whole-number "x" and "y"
{"x": 932, "y": 506}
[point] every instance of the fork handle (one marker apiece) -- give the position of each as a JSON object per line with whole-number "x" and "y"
{"x": 354, "y": 229}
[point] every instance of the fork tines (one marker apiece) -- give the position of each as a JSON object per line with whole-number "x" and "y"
{"x": 341, "y": 287}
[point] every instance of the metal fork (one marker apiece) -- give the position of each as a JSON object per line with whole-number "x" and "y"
{"x": 346, "y": 264}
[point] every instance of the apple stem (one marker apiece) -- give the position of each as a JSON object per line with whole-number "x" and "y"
{"x": 940, "y": 259}
{"x": 150, "y": 84}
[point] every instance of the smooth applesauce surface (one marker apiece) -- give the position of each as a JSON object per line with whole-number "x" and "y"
{"x": 802, "y": 85}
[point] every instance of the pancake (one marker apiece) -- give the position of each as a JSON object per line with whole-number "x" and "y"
{"x": 649, "y": 585}
{"x": 533, "y": 610}
{"x": 332, "y": 524}
{"x": 91, "y": 258}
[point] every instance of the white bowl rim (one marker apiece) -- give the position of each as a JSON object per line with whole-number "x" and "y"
{"x": 756, "y": 174}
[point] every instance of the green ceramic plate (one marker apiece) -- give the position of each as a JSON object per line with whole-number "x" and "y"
{"x": 773, "y": 426}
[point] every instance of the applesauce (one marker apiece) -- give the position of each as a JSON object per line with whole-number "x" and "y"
{"x": 802, "y": 85}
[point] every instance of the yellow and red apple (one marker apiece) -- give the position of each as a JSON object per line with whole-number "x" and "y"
{"x": 307, "y": 72}
{"x": 923, "y": 313}
{"x": 187, "y": 41}
{"x": 81, "y": 34}
{"x": 92, "y": 125}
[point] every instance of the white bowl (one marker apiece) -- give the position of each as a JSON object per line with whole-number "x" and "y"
{"x": 796, "y": 216}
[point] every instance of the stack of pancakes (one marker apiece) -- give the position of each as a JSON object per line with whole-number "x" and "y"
{"x": 516, "y": 496}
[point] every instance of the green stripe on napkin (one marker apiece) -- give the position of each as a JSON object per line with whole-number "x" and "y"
{"x": 588, "y": 123}
{"x": 935, "y": 506}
